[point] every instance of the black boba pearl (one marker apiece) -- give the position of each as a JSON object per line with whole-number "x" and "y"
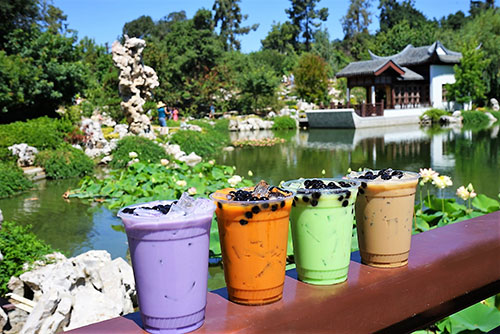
{"x": 296, "y": 198}
{"x": 347, "y": 194}
{"x": 363, "y": 184}
{"x": 243, "y": 222}
{"x": 305, "y": 199}
{"x": 282, "y": 204}
{"x": 386, "y": 177}
{"x": 255, "y": 209}
{"x": 316, "y": 195}
{"x": 219, "y": 204}
{"x": 345, "y": 203}
{"x": 265, "y": 205}
{"x": 341, "y": 198}
{"x": 314, "y": 202}
{"x": 274, "y": 207}
{"x": 361, "y": 191}
{"x": 293, "y": 203}
{"x": 248, "y": 214}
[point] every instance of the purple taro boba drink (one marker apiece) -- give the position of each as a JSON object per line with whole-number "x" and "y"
{"x": 169, "y": 242}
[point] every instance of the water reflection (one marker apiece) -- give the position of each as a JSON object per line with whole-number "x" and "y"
{"x": 465, "y": 155}
{"x": 70, "y": 226}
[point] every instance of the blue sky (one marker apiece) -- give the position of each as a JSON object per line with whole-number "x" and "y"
{"x": 103, "y": 20}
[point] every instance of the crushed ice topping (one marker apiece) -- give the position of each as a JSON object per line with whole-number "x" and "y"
{"x": 185, "y": 206}
{"x": 261, "y": 192}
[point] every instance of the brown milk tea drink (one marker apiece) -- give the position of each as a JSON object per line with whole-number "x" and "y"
{"x": 169, "y": 243}
{"x": 384, "y": 215}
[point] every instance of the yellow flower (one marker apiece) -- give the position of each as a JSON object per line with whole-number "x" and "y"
{"x": 181, "y": 183}
{"x": 132, "y": 155}
{"x": 442, "y": 181}
{"x": 250, "y": 173}
{"x": 164, "y": 162}
{"x": 323, "y": 172}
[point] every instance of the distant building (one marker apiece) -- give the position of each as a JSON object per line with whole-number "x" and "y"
{"x": 413, "y": 78}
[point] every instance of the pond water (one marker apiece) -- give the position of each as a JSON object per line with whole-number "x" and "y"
{"x": 467, "y": 156}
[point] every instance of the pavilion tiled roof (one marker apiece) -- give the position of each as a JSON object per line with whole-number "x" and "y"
{"x": 409, "y": 56}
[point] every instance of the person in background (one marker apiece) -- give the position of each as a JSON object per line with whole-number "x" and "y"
{"x": 175, "y": 114}
{"x": 161, "y": 114}
{"x": 212, "y": 111}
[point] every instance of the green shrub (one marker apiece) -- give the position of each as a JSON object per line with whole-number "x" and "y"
{"x": 64, "y": 162}
{"x": 173, "y": 124}
{"x": 435, "y": 114}
{"x": 42, "y": 133}
{"x": 284, "y": 123}
{"x": 12, "y": 180}
{"x": 205, "y": 143}
{"x": 496, "y": 114}
{"x": 19, "y": 246}
{"x": 146, "y": 150}
{"x": 475, "y": 118}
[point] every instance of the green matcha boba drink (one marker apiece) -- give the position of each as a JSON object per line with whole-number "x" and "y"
{"x": 321, "y": 223}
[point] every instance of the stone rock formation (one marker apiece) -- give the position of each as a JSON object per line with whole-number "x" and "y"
{"x": 26, "y": 154}
{"x": 494, "y": 104}
{"x": 71, "y": 293}
{"x": 136, "y": 82}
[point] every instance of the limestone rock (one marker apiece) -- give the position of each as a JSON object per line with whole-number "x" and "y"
{"x": 191, "y": 160}
{"x": 136, "y": 82}
{"x": 26, "y": 154}
{"x": 73, "y": 292}
{"x": 91, "y": 306}
{"x": 494, "y": 104}
{"x": 3, "y": 319}
{"x": 17, "y": 318}
{"x": 491, "y": 117}
{"x": 121, "y": 129}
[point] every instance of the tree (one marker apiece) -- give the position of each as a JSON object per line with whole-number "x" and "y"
{"x": 280, "y": 38}
{"x": 453, "y": 21}
{"x": 484, "y": 29}
{"x": 477, "y": 6}
{"x": 470, "y": 84}
{"x": 43, "y": 72}
{"x": 228, "y": 13}
{"x": 311, "y": 78}
{"x": 393, "y": 12}
{"x": 398, "y": 37}
{"x": 140, "y": 27}
{"x": 357, "y": 19}
{"x": 329, "y": 51}
{"x": 53, "y": 19}
{"x": 16, "y": 14}
{"x": 303, "y": 16}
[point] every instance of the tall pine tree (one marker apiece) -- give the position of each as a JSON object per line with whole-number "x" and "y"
{"x": 304, "y": 17}
{"x": 228, "y": 14}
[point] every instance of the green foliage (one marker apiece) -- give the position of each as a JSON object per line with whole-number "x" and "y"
{"x": 393, "y": 12}
{"x": 39, "y": 72}
{"x": 284, "y": 123}
{"x": 357, "y": 19}
{"x": 42, "y": 133}
{"x": 435, "y": 114}
{"x": 12, "y": 180}
{"x": 311, "y": 78}
{"x": 228, "y": 14}
{"x": 258, "y": 85}
{"x": 146, "y": 149}
{"x": 280, "y": 38}
{"x": 395, "y": 39}
{"x": 469, "y": 85}
{"x": 144, "y": 182}
{"x": 64, "y": 162}
{"x": 475, "y": 118}
{"x": 304, "y": 18}
{"x": 19, "y": 246}
{"x": 205, "y": 144}
{"x": 495, "y": 114}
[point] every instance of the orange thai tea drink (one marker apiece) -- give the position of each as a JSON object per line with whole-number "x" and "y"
{"x": 384, "y": 215}
{"x": 253, "y": 232}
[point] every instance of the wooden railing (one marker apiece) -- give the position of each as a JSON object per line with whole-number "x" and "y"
{"x": 449, "y": 269}
{"x": 363, "y": 109}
